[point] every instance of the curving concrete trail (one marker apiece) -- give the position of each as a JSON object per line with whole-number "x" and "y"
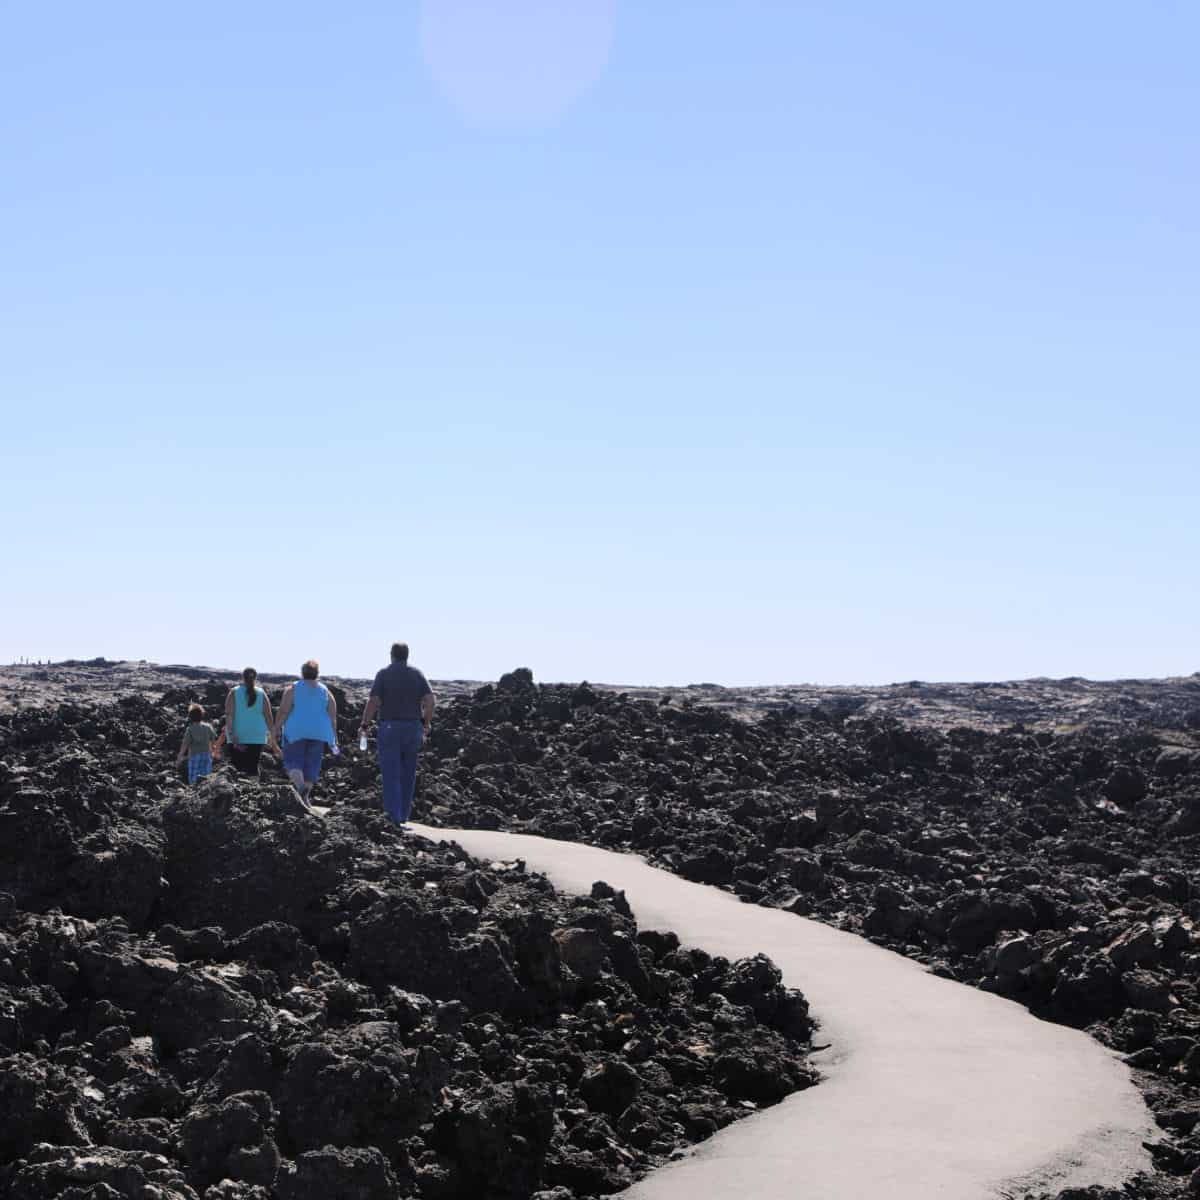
{"x": 931, "y": 1088}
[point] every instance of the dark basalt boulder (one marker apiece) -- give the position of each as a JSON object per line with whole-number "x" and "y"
{"x": 97, "y": 1173}
{"x": 764, "y": 1081}
{"x": 972, "y": 920}
{"x": 871, "y": 849}
{"x": 231, "y": 1140}
{"x": 330, "y": 1098}
{"x": 498, "y": 1140}
{"x": 350, "y": 1173}
{"x": 1126, "y": 785}
{"x": 199, "y": 1005}
{"x": 47, "y": 859}
{"x": 247, "y": 868}
{"x": 1089, "y": 991}
{"x": 1173, "y": 762}
{"x": 710, "y": 865}
{"x": 1185, "y": 820}
{"x": 43, "y": 1103}
{"x": 583, "y": 951}
{"x": 517, "y": 680}
{"x": 133, "y": 981}
{"x": 610, "y": 1086}
{"x": 399, "y": 942}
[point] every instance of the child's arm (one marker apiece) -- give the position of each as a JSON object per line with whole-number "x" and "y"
{"x": 216, "y": 746}
{"x": 182, "y": 749}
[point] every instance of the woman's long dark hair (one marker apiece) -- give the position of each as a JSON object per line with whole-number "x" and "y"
{"x": 249, "y": 675}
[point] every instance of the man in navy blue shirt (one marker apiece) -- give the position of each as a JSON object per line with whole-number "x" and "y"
{"x": 402, "y": 697}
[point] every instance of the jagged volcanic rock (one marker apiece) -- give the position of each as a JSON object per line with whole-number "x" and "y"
{"x": 1055, "y": 867}
{"x": 211, "y": 993}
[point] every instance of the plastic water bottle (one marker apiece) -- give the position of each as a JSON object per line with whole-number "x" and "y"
{"x": 335, "y": 749}
{"x": 362, "y": 742}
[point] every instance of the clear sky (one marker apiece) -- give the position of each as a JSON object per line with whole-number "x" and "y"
{"x": 661, "y": 342}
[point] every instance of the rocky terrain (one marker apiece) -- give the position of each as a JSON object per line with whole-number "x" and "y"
{"x": 1035, "y": 839}
{"x": 1056, "y": 868}
{"x": 214, "y": 993}
{"x": 1058, "y": 705}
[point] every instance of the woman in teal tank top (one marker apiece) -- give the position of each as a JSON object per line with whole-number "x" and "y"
{"x": 248, "y": 723}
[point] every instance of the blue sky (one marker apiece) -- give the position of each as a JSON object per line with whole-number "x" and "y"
{"x": 645, "y": 343}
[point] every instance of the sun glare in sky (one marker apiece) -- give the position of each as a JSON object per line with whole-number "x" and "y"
{"x": 517, "y": 64}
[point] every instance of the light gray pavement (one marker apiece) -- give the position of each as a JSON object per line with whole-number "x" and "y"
{"x": 931, "y": 1088}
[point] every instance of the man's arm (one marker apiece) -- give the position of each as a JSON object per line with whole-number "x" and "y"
{"x": 428, "y": 701}
{"x": 331, "y": 709}
{"x": 285, "y": 708}
{"x": 369, "y": 713}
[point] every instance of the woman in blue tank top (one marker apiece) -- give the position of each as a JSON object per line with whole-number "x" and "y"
{"x": 308, "y": 718}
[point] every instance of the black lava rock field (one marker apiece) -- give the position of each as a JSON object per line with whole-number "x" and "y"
{"x": 1055, "y": 866}
{"x": 201, "y": 990}
{"x": 214, "y": 993}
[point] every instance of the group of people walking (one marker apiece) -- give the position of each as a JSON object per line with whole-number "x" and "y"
{"x": 307, "y": 723}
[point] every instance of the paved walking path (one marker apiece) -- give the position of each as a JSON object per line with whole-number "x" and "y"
{"x": 931, "y": 1088}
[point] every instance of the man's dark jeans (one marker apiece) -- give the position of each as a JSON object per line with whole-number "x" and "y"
{"x": 399, "y": 742}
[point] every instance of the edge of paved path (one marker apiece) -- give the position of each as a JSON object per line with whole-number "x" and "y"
{"x": 930, "y": 1087}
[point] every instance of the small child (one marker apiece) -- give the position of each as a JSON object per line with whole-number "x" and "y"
{"x": 197, "y": 745}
